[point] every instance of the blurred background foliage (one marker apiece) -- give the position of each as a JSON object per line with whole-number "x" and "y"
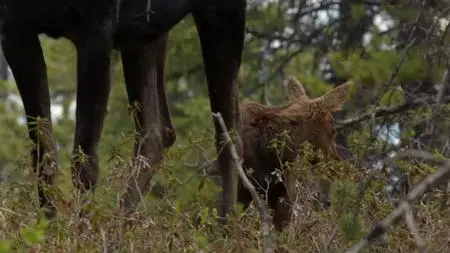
{"x": 395, "y": 51}
{"x": 393, "y": 56}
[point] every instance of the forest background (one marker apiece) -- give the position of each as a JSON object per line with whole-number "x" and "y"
{"x": 396, "y": 52}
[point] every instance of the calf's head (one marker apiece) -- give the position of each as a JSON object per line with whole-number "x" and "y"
{"x": 310, "y": 119}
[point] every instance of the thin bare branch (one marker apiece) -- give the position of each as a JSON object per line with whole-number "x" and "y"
{"x": 265, "y": 217}
{"x": 442, "y": 175}
{"x": 409, "y": 219}
{"x": 409, "y": 153}
{"x": 104, "y": 241}
{"x": 388, "y": 111}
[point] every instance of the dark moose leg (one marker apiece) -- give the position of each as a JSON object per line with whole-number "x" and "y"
{"x": 24, "y": 55}
{"x": 167, "y": 130}
{"x": 244, "y": 197}
{"x": 281, "y": 199}
{"x": 94, "y": 50}
{"x": 143, "y": 66}
{"x": 221, "y": 31}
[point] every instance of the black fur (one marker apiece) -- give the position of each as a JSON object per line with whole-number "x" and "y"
{"x": 138, "y": 28}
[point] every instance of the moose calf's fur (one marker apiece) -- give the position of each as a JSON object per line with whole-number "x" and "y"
{"x": 138, "y": 28}
{"x": 304, "y": 119}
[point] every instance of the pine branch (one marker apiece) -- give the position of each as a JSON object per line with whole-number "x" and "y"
{"x": 389, "y": 111}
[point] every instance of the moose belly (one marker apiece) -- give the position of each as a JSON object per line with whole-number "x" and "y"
{"x": 55, "y": 18}
{"x": 144, "y": 20}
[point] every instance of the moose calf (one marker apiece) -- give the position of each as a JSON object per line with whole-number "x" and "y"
{"x": 305, "y": 120}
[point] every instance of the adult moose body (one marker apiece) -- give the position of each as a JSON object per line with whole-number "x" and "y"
{"x": 138, "y": 28}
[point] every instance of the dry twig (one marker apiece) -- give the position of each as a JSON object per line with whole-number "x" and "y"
{"x": 387, "y": 111}
{"x": 404, "y": 207}
{"x": 409, "y": 219}
{"x": 265, "y": 217}
{"x": 104, "y": 242}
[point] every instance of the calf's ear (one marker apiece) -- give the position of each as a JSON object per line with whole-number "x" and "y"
{"x": 335, "y": 98}
{"x": 295, "y": 89}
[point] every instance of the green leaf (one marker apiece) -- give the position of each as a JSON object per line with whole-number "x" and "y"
{"x": 350, "y": 227}
{"x": 36, "y": 233}
{"x": 5, "y": 246}
{"x": 201, "y": 241}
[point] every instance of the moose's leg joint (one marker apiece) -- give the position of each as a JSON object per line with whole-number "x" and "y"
{"x": 148, "y": 155}
{"x": 143, "y": 67}
{"x": 23, "y": 52}
{"x": 94, "y": 48}
{"x": 221, "y": 32}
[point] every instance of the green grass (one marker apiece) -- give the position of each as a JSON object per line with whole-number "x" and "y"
{"x": 183, "y": 219}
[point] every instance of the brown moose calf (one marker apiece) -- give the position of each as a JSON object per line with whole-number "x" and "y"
{"x": 304, "y": 120}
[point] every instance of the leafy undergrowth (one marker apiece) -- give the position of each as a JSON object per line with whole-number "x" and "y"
{"x": 181, "y": 217}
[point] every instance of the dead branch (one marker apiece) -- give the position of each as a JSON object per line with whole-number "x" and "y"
{"x": 414, "y": 153}
{"x": 104, "y": 241}
{"x": 265, "y": 217}
{"x": 409, "y": 219}
{"x": 404, "y": 207}
{"x": 388, "y": 111}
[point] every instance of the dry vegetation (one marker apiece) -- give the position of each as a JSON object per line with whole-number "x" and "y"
{"x": 182, "y": 220}
{"x": 406, "y": 85}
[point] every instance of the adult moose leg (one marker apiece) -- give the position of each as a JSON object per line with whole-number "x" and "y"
{"x": 24, "y": 55}
{"x": 168, "y": 132}
{"x": 221, "y": 29}
{"x": 143, "y": 66}
{"x": 94, "y": 50}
